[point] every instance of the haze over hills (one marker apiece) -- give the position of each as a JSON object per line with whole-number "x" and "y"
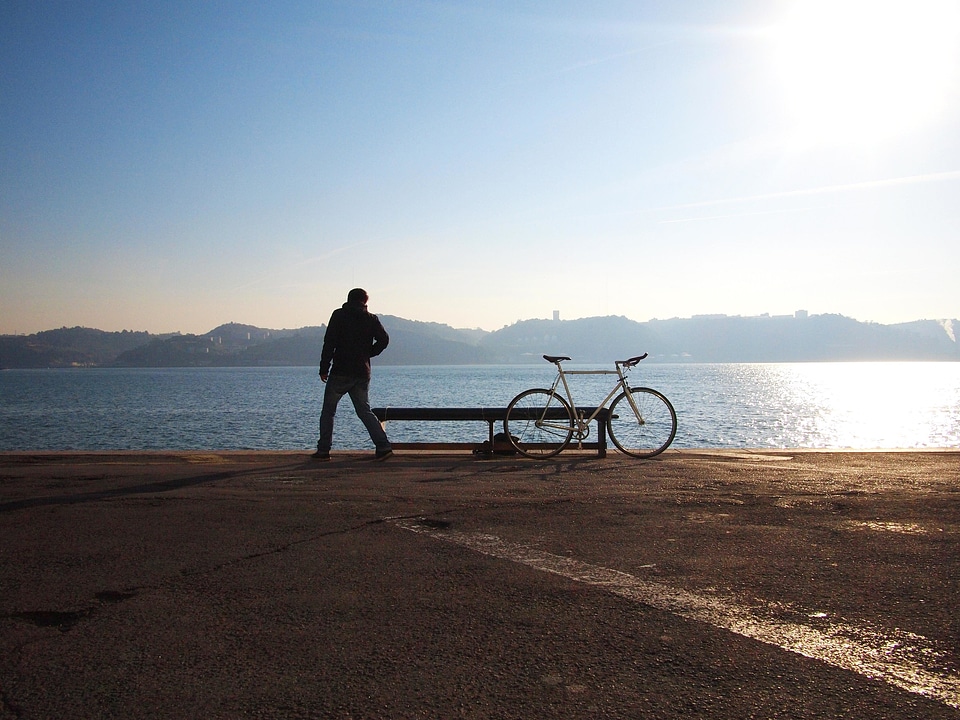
{"x": 797, "y": 338}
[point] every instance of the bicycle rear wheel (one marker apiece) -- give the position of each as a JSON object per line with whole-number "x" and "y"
{"x": 646, "y": 432}
{"x": 539, "y": 423}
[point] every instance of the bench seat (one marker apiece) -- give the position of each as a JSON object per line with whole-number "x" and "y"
{"x": 489, "y": 415}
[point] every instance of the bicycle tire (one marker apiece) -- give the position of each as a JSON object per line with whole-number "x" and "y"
{"x": 648, "y": 435}
{"x": 523, "y": 423}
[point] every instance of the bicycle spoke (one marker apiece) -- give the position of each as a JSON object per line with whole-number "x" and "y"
{"x": 539, "y": 423}
{"x": 645, "y": 431}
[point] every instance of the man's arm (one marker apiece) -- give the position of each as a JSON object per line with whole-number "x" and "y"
{"x": 380, "y": 338}
{"x": 329, "y": 346}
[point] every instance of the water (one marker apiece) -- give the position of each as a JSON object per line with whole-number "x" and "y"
{"x": 815, "y": 405}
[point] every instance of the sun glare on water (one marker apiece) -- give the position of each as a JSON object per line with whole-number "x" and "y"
{"x": 866, "y": 70}
{"x": 876, "y": 405}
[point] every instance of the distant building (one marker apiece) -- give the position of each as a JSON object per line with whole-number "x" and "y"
{"x": 800, "y": 315}
{"x": 556, "y": 315}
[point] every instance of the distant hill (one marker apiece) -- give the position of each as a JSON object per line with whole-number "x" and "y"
{"x": 800, "y": 339}
{"x": 68, "y": 347}
{"x": 599, "y": 339}
{"x": 230, "y": 345}
{"x": 725, "y": 339}
{"x": 233, "y": 345}
{"x": 591, "y": 340}
{"x": 421, "y": 343}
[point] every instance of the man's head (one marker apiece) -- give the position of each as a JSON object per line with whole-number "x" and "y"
{"x": 357, "y": 296}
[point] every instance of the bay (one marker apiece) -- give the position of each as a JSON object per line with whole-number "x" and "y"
{"x": 788, "y": 405}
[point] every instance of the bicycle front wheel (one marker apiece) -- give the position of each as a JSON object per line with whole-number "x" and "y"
{"x": 645, "y": 431}
{"x": 539, "y": 423}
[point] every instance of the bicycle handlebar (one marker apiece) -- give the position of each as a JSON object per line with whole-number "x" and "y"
{"x": 632, "y": 361}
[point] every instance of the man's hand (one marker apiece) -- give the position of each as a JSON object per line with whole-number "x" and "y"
{"x": 323, "y": 376}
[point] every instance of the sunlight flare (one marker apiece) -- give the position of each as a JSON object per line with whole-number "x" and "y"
{"x": 862, "y": 71}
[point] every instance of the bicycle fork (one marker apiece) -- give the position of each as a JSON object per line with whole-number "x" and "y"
{"x": 625, "y": 386}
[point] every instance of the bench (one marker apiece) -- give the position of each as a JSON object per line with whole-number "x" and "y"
{"x": 468, "y": 414}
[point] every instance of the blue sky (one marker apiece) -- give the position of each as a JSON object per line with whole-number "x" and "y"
{"x": 175, "y": 165}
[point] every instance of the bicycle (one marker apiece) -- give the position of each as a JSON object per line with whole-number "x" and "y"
{"x": 641, "y": 421}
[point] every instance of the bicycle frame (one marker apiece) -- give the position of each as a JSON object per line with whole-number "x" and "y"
{"x": 639, "y": 420}
{"x": 583, "y": 423}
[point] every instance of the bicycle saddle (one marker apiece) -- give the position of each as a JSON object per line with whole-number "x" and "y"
{"x": 554, "y": 358}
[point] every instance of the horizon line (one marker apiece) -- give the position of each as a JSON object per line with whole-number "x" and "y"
{"x": 799, "y": 314}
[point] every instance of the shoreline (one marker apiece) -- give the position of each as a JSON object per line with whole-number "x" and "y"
{"x": 408, "y": 452}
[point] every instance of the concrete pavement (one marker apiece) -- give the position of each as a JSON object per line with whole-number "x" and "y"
{"x": 698, "y": 584}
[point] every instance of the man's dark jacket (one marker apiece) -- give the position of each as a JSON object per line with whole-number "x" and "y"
{"x": 353, "y": 337}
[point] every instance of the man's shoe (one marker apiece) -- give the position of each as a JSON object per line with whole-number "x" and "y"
{"x": 319, "y": 455}
{"x": 383, "y": 454}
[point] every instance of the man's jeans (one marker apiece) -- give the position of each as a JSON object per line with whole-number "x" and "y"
{"x": 358, "y": 389}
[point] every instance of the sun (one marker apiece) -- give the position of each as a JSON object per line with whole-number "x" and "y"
{"x": 865, "y": 70}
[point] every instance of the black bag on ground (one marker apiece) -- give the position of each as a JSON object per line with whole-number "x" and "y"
{"x": 501, "y": 446}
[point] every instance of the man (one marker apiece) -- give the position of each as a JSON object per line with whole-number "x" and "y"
{"x": 353, "y": 337}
